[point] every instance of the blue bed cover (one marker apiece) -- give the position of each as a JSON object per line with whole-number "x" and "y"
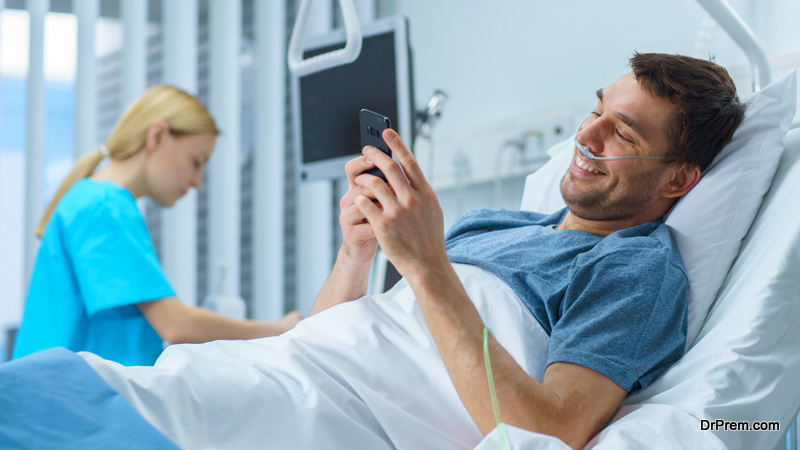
{"x": 53, "y": 399}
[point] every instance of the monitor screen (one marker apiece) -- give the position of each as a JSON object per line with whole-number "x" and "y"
{"x": 326, "y": 104}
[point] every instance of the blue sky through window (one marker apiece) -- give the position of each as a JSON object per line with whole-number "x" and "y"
{"x": 58, "y": 141}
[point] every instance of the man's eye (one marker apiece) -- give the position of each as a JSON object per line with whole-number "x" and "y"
{"x": 623, "y": 137}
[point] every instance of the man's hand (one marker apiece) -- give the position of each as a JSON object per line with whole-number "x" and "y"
{"x": 406, "y": 217}
{"x": 350, "y": 275}
{"x": 573, "y": 403}
{"x": 359, "y": 243}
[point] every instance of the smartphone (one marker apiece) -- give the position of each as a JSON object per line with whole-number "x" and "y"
{"x": 372, "y": 126}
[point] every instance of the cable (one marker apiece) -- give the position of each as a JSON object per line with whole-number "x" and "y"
{"x": 503, "y": 439}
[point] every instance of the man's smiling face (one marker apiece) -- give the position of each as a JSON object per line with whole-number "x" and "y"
{"x": 628, "y": 121}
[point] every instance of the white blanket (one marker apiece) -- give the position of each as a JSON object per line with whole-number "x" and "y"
{"x": 364, "y": 374}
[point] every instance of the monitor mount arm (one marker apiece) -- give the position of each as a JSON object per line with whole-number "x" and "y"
{"x": 346, "y": 55}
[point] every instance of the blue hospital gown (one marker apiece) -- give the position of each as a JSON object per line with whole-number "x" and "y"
{"x": 95, "y": 263}
{"x": 615, "y": 304}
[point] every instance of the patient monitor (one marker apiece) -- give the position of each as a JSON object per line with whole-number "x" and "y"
{"x": 326, "y": 104}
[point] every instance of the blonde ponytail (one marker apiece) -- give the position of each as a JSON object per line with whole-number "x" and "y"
{"x": 184, "y": 113}
{"x": 82, "y": 169}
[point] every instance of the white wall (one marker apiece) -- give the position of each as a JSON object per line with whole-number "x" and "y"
{"x": 510, "y": 62}
{"x": 510, "y": 57}
{"x": 776, "y": 24}
{"x": 506, "y": 58}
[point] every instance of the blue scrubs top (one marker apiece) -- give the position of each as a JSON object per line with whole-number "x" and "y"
{"x": 96, "y": 261}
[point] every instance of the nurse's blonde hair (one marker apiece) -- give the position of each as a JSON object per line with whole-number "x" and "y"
{"x": 183, "y": 112}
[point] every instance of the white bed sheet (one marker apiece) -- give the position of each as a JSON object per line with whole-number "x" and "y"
{"x": 363, "y": 383}
{"x": 744, "y": 367}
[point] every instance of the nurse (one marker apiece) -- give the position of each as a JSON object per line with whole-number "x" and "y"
{"x": 97, "y": 284}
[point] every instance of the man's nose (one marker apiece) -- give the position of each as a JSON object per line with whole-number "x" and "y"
{"x": 589, "y": 137}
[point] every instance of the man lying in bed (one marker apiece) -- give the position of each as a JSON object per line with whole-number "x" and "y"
{"x": 587, "y": 304}
{"x": 602, "y": 277}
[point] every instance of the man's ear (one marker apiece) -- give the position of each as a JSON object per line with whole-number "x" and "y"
{"x": 156, "y": 134}
{"x": 683, "y": 180}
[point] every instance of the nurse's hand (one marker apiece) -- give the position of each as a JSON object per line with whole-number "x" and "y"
{"x": 280, "y": 326}
{"x": 177, "y": 323}
{"x": 407, "y": 218}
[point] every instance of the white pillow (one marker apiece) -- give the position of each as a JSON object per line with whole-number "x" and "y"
{"x": 708, "y": 224}
{"x": 745, "y": 364}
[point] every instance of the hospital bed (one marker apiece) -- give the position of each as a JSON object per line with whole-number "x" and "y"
{"x": 742, "y": 256}
{"x": 740, "y": 239}
{"x": 738, "y": 234}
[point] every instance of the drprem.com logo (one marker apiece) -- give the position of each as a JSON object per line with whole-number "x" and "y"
{"x": 727, "y": 425}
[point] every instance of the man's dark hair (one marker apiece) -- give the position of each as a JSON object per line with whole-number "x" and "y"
{"x": 708, "y": 109}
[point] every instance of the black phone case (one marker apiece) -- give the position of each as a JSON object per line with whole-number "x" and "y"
{"x": 372, "y": 126}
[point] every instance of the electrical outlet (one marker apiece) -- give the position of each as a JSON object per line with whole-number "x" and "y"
{"x": 539, "y": 135}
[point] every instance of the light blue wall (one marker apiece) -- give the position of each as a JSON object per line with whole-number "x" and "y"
{"x": 59, "y": 121}
{"x": 59, "y": 100}
{"x": 12, "y": 113}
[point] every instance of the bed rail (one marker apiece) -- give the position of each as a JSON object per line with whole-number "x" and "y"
{"x": 738, "y": 30}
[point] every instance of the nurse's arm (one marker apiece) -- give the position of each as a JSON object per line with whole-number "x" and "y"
{"x": 177, "y": 323}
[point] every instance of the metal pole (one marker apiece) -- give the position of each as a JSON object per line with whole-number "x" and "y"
{"x": 86, "y": 79}
{"x": 179, "y": 223}
{"x": 134, "y": 67}
{"x": 2, "y": 7}
{"x": 315, "y": 221}
{"x": 35, "y": 130}
{"x": 224, "y": 169}
{"x": 269, "y": 160}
